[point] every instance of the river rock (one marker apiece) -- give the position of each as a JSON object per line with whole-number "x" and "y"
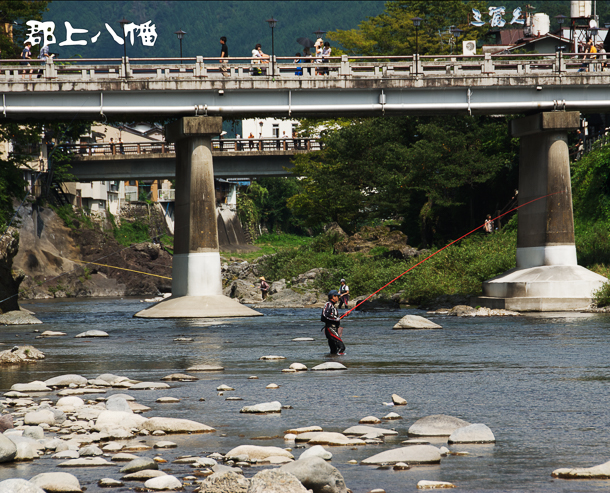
{"x": 35, "y": 432}
{"x": 109, "y": 483}
{"x": 180, "y": 377}
{"x": 51, "y": 333}
{"x": 71, "y": 402}
{"x": 149, "y": 386}
{"x": 263, "y": 408}
{"x": 57, "y": 482}
{"x": 165, "y": 444}
{"x": 35, "y": 386}
{"x": 205, "y": 368}
{"x": 601, "y": 471}
{"x": 255, "y": 452}
{"x": 331, "y": 365}
{"x": 6, "y": 422}
{"x": 303, "y": 339}
{"x": 272, "y": 386}
{"x": 274, "y": 481}
{"x": 328, "y": 438}
{"x": 415, "y": 454}
{"x": 65, "y": 381}
{"x": 167, "y": 400}
{"x": 175, "y": 425}
{"x": 298, "y": 367}
{"x": 39, "y": 417}
{"x": 92, "y": 333}
{"x": 304, "y": 429}
{"x": 475, "y": 433}
{"x": 370, "y": 420}
{"x": 18, "y": 317}
{"x": 436, "y": 425}
{"x": 398, "y": 401}
{"x": 143, "y": 475}
{"x": 139, "y": 465}
{"x": 111, "y": 420}
{"x": 316, "y": 451}
{"x": 224, "y": 388}
{"x": 86, "y": 462}
{"x": 271, "y": 358}
{"x": 415, "y": 322}
{"x": 123, "y": 457}
{"x": 225, "y": 482}
{"x": 317, "y": 475}
{"x": 277, "y": 286}
{"x": 127, "y": 397}
{"x": 19, "y": 486}
{"x": 118, "y": 404}
{"x": 90, "y": 451}
{"x": 392, "y": 416}
{"x": 66, "y": 454}
{"x": 430, "y": 485}
{"x": 365, "y": 430}
{"x": 167, "y": 482}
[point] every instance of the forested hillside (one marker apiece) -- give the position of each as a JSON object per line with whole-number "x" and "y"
{"x": 243, "y": 23}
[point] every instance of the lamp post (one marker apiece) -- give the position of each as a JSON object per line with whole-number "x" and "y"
{"x": 456, "y": 32}
{"x": 272, "y": 22}
{"x": 560, "y": 20}
{"x": 319, "y": 33}
{"x": 180, "y": 35}
{"x": 416, "y": 23}
{"x": 123, "y": 22}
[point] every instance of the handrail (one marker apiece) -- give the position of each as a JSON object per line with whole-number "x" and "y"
{"x": 222, "y": 145}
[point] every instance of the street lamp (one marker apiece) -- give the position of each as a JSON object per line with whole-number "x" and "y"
{"x": 272, "y": 22}
{"x": 416, "y": 23}
{"x": 123, "y": 22}
{"x": 180, "y": 35}
{"x": 319, "y": 33}
{"x": 457, "y": 32}
{"x": 560, "y": 20}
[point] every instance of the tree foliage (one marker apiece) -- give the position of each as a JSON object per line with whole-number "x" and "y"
{"x": 393, "y": 33}
{"x": 434, "y": 172}
{"x": 13, "y": 16}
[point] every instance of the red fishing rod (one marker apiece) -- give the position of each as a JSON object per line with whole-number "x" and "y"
{"x": 446, "y": 246}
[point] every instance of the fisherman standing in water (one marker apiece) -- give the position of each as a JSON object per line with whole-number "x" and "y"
{"x": 343, "y": 294}
{"x": 331, "y": 320}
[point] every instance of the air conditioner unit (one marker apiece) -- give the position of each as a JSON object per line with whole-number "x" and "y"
{"x": 469, "y": 47}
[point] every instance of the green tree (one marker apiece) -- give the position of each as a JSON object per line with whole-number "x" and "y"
{"x": 393, "y": 32}
{"x": 275, "y": 212}
{"x": 437, "y": 173}
{"x": 13, "y": 17}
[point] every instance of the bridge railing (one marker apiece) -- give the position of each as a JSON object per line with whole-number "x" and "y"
{"x": 290, "y": 67}
{"x": 218, "y": 145}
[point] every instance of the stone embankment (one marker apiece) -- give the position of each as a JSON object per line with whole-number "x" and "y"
{"x": 70, "y": 423}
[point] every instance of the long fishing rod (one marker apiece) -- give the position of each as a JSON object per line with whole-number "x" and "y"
{"x": 441, "y": 249}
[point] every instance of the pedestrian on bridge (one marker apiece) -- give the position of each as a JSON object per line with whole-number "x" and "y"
{"x": 26, "y": 54}
{"x": 251, "y": 143}
{"x": 224, "y": 55}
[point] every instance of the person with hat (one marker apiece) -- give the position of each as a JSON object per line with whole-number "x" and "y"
{"x": 343, "y": 294}
{"x": 264, "y": 288}
{"x": 331, "y": 320}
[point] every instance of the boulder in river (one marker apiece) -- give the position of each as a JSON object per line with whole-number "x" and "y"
{"x": 330, "y": 365}
{"x": 175, "y": 425}
{"x": 39, "y": 417}
{"x": 6, "y": 422}
{"x": 275, "y": 481}
{"x": 415, "y": 322}
{"x": 317, "y": 475}
{"x": 18, "y": 317}
{"x": 433, "y": 485}
{"x": 57, "y": 482}
{"x": 224, "y": 482}
{"x": 601, "y": 471}
{"x": 180, "y": 377}
{"x": 263, "y": 408}
{"x": 93, "y": 333}
{"x": 205, "y": 368}
{"x": 256, "y": 452}
{"x": 316, "y": 451}
{"x": 415, "y": 454}
{"x": 436, "y": 425}
{"x": 141, "y": 464}
{"x": 111, "y": 420}
{"x": 475, "y": 433}
{"x": 328, "y": 438}
{"x": 65, "y": 381}
{"x": 162, "y": 483}
{"x": 398, "y": 401}
{"x": 19, "y": 486}
{"x": 360, "y": 430}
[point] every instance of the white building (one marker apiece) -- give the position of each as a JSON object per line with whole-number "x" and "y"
{"x": 268, "y": 128}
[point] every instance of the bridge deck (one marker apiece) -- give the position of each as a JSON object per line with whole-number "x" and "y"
{"x": 364, "y": 85}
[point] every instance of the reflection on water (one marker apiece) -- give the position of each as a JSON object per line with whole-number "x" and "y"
{"x": 540, "y": 383}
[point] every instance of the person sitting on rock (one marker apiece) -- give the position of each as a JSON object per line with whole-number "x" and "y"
{"x": 264, "y": 288}
{"x": 331, "y": 320}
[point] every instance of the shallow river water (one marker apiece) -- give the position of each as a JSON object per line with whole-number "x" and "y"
{"x": 541, "y": 383}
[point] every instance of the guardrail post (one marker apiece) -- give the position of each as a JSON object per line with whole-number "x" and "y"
{"x": 418, "y": 65}
{"x": 200, "y": 70}
{"x": 49, "y": 70}
{"x": 344, "y": 68}
{"x": 488, "y": 66}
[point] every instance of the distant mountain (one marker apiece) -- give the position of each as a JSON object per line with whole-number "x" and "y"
{"x": 242, "y": 22}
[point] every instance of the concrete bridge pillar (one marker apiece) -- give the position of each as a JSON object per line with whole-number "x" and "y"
{"x": 196, "y": 274}
{"x": 547, "y": 276}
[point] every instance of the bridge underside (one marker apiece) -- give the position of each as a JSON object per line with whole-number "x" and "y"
{"x": 163, "y": 166}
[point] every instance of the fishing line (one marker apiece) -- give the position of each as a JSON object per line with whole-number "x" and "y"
{"x": 446, "y": 246}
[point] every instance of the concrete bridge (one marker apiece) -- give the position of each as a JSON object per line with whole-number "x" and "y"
{"x": 233, "y": 158}
{"x": 483, "y": 84}
{"x": 547, "y": 88}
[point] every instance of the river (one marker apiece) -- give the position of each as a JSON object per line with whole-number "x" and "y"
{"x": 539, "y": 382}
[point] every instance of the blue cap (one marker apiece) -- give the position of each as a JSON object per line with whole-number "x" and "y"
{"x": 333, "y": 292}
